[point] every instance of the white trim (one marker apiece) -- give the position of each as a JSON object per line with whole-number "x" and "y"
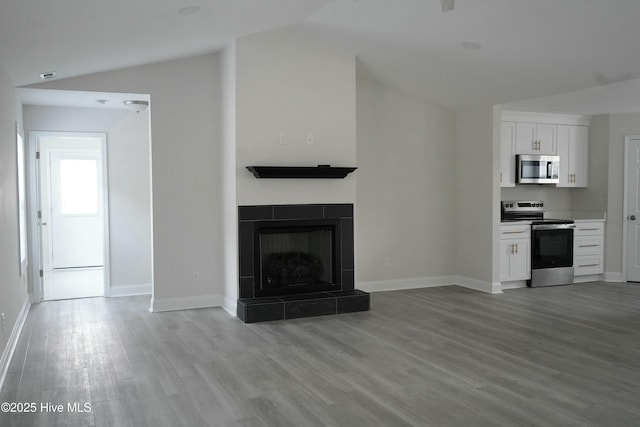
{"x": 589, "y": 278}
{"x": 230, "y": 305}
{"x": 479, "y": 285}
{"x": 130, "y": 290}
{"x": 515, "y": 284}
{"x": 614, "y": 276}
{"x": 548, "y": 118}
{"x": 401, "y": 284}
{"x": 12, "y": 343}
{"x": 186, "y": 303}
{"x": 430, "y": 282}
{"x": 33, "y": 205}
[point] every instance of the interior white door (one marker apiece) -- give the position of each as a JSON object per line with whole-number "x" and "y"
{"x": 633, "y": 209}
{"x": 77, "y": 234}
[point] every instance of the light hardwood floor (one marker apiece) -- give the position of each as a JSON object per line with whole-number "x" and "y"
{"x": 560, "y": 356}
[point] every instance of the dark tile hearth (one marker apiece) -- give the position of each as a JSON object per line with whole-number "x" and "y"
{"x": 251, "y": 310}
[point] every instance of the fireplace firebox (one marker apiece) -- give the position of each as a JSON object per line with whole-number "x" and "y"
{"x": 296, "y": 261}
{"x": 293, "y": 257}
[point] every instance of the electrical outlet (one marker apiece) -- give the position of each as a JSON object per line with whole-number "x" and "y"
{"x": 283, "y": 138}
{"x": 387, "y": 262}
{"x": 4, "y": 321}
{"x": 196, "y": 276}
{"x": 309, "y": 139}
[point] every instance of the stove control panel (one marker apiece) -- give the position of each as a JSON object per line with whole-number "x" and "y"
{"x": 522, "y": 206}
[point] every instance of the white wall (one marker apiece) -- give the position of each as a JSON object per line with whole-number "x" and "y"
{"x": 406, "y": 186}
{"x": 228, "y": 171}
{"x": 620, "y": 125}
{"x": 129, "y": 180}
{"x": 186, "y": 181}
{"x": 290, "y": 81}
{"x": 477, "y": 196}
{"x": 13, "y": 288}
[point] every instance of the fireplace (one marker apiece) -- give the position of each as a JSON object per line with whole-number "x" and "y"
{"x": 293, "y": 257}
{"x": 296, "y": 261}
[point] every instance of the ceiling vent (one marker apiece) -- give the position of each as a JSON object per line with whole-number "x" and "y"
{"x": 48, "y": 75}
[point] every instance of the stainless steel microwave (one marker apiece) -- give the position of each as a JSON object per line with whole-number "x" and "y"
{"x": 537, "y": 169}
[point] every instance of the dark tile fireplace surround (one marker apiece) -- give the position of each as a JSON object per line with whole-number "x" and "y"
{"x": 296, "y": 261}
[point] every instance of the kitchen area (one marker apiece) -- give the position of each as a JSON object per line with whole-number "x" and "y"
{"x": 548, "y": 235}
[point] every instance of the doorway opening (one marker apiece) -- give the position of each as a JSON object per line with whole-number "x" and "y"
{"x": 72, "y": 202}
{"x": 631, "y": 220}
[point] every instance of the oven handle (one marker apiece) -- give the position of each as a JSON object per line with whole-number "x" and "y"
{"x": 553, "y": 226}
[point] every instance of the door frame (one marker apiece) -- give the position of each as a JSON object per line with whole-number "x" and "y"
{"x": 36, "y": 252}
{"x": 625, "y": 204}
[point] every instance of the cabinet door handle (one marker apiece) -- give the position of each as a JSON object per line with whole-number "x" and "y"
{"x": 500, "y": 177}
{"x": 588, "y": 265}
{"x": 516, "y": 248}
{"x": 511, "y": 245}
{"x": 513, "y": 232}
{"x": 588, "y": 246}
{"x": 588, "y": 229}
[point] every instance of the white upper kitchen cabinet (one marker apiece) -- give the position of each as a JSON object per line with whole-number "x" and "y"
{"x": 572, "y": 144}
{"x": 535, "y": 138}
{"x": 507, "y": 154}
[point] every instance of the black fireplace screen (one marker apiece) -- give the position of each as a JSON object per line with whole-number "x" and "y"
{"x": 296, "y": 257}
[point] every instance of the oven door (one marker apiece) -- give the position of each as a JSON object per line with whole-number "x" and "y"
{"x": 552, "y": 245}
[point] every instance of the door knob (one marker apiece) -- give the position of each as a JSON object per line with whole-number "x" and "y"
{"x": 632, "y": 217}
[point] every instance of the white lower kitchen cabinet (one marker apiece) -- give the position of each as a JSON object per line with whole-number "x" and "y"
{"x": 588, "y": 249}
{"x": 515, "y": 252}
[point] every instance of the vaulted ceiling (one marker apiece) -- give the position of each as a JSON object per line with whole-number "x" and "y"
{"x": 482, "y": 52}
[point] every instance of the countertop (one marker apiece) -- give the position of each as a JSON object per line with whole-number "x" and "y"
{"x": 577, "y": 216}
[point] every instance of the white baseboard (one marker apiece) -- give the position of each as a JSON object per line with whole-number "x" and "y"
{"x": 7, "y": 354}
{"x": 401, "y": 284}
{"x": 611, "y": 276}
{"x": 430, "y": 282}
{"x": 588, "y": 278}
{"x": 230, "y": 306}
{"x": 516, "y": 284}
{"x": 186, "y": 303}
{"x": 129, "y": 290}
{"x": 479, "y": 285}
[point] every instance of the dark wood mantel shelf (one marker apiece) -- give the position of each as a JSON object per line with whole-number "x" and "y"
{"x": 320, "y": 171}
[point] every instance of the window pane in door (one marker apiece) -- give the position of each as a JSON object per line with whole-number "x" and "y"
{"x": 78, "y": 187}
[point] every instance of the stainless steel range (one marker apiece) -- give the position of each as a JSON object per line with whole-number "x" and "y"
{"x": 551, "y": 242}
